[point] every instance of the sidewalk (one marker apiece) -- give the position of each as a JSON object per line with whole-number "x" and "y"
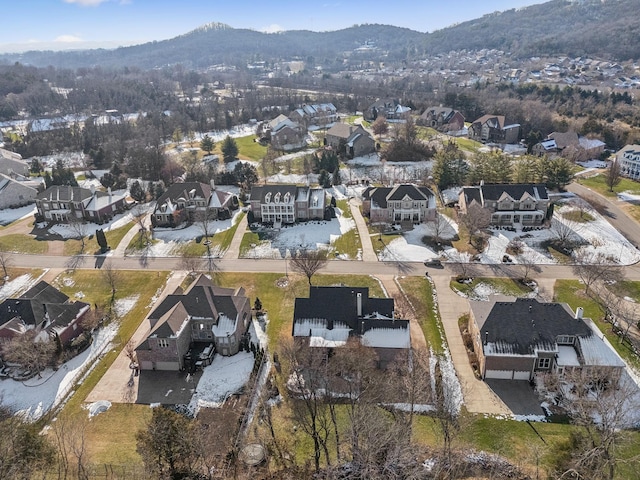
{"x": 368, "y": 253}
{"x": 113, "y": 386}
{"x": 234, "y": 248}
{"x": 121, "y": 249}
{"x": 478, "y": 397}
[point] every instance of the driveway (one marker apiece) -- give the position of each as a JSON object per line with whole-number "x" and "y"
{"x": 517, "y": 395}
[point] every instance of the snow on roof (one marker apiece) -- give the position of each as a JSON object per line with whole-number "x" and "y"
{"x": 596, "y": 352}
{"x": 324, "y": 343}
{"x": 225, "y": 326}
{"x": 318, "y": 328}
{"x": 567, "y": 356}
{"x": 387, "y": 338}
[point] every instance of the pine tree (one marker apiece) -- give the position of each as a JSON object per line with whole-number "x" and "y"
{"x": 229, "y": 150}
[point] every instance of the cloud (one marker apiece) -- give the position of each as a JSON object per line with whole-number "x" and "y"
{"x": 67, "y": 39}
{"x": 86, "y": 3}
{"x": 273, "y": 28}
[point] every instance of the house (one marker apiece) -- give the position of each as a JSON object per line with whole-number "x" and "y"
{"x": 333, "y": 315}
{"x": 287, "y": 203}
{"x": 61, "y": 203}
{"x": 315, "y": 116}
{"x": 351, "y": 140}
{"x": 46, "y": 311}
{"x": 443, "y": 119}
{"x": 285, "y": 134}
{"x": 492, "y": 129}
{"x": 629, "y": 160}
{"x": 389, "y": 108}
{"x": 400, "y": 203}
{"x": 15, "y": 194}
{"x": 186, "y": 201}
{"x": 521, "y": 338}
{"x": 12, "y": 165}
{"x": 569, "y": 145}
{"x": 516, "y": 204}
{"x": 212, "y": 317}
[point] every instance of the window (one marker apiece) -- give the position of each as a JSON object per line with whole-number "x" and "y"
{"x": 163, "y": 343}
{"x": 565, "y": 340}
{"x": 544, "y": 363}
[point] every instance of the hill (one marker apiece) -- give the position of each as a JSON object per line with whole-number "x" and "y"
{"x": 608, "y": 29}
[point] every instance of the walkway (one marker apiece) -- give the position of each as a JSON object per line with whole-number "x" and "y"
{"x": 368, "y": 253}
{"x": 121, "y": 249}
{"x": 478, "y": 397}
{"x": 234, "y": 249}
{"x": 114, "y": 385}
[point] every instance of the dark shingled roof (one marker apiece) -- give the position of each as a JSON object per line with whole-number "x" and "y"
{"x": 178, "y": 190}
{"x": 381, "y": 195}
{"x": 340, "y": 304}
{"x": 515, "y": 191}
{"x": 258, "y": 192}
{"x": 67, "y": 194}
{"x": 521, "y": 326}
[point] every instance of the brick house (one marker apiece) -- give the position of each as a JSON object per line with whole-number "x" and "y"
{"x": 516, "y": 204}
{"x": 60, "y": 203}
{"x": 315, "y": 116}
{"x": 492, "y": 129}
{"x": 46, "y": 311}
{"x": 351, "y": 140}
{"x": 398, "y": 204}
{"x": 389, "y": 108}
{"x": 287, "y": 204}
{"x": 443, "y": 119}
{"x": 285, "y": 134}
{"x": 519, "y": 338}
{"x": 206, "y": 314}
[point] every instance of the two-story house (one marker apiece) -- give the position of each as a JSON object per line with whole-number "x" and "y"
{"x": 186, "y": 201}
{"x": 212, "y": 316}
{"x": 285, "y": 134}
{"x": 629, "y": 160}
{"x": 286, "y": 204}
{"x": 443, "y": 119}
{"x": 389, "y": 108}
{"x": 517, "y": 339}
{"x": 60, "y": 204}
{"x": 492, "y": 129}
{"x": 510, "y": 205}
{"x": 350, "y": 140}
{"x": 15, "y": 194}
{"x": 316, "y": 116}
{"x": 12, "y": 165}
{"x": 405, "y": 203}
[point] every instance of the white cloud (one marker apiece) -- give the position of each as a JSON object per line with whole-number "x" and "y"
{"x": 86, "y": 3}
{"x": 67, "y": 39}
{"x": 273, "y": 28}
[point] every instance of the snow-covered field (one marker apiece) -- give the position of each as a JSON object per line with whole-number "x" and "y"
{"x": 410, "y": 248}
{"x": 371, "y": 168}
{"x": 9, "y": 215}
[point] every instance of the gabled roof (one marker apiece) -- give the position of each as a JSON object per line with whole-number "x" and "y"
{"x": 183, "y": 190}
{"x": 65, "y": 193}
{"x": 343, "y": 130}
{"x": 495, "y": 192}
{"x": 379, "y": 196}
{"x": 494, "y": 121}
{"x": 564, "y": 139}
{"x": 524, "y": 326}
{"x": 260, "y": 192}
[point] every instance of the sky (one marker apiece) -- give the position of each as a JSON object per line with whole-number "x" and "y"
{"x": 73, "y": 24}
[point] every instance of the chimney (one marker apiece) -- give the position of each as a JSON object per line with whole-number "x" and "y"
{"x": 212, "y": 183}
{"x": 359, "y": 304}
{"x": 486, "y": 337}
{"x": 530, "y": 307}
{"x": 579, "y": 313}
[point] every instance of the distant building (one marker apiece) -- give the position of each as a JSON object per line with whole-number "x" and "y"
{"x": 629, "y": 160}
{"x": 12, "y": 165}
{"x": 569, "y": 145}
{"x": 286, "y": 204}
{"x": 389, "y": 108}
{"x": 15, "y": 194}
{"x": 492, "y": 129}
{"x": 400, "y": 203}
{"x": 61, "y": 204}
{"x": 443, "y": 119}
{"x": 350, "y": 140}
{"x": 315, "y": 116}
{"x": 333, "y": 315}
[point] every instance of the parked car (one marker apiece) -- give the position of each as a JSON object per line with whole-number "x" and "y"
{"x": 433, "y": 262}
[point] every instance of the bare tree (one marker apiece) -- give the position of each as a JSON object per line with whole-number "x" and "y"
{"x": 565, "y": 235}
{"x": 527, "y": 264}
{"x": 112, "y": 278}
{"x": 80, "y": 228}
{"x": 592, "y": 267}
{"x": 5, "y": 261}
{"x": 475, "y": 220}
{"x": 614, "y": 175}
{"x": 190, "y": 262}
{"x": 439, "y": 226}
{"x": 461, "y": 263}
{"x": 29, "y": 352}
{"x": 308, "y": 262}
{"x": 139, "y": 215}
{"x": 70, "y": 434}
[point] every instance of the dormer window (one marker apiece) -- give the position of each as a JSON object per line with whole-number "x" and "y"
{"x": 287, "y": 197}
{"x": 267, "y": 198}
{"x": 276, "y": 199}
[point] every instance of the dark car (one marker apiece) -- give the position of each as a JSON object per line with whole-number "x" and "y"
{"x": 433, "y": 262}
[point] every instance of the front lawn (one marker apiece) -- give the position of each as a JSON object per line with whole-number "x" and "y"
{"x": 504, "y": 286}
{"x": 21, "y": 243}
{"x": 249, "y": 149}
{"x": 73, "y": 246}
{"x": 419, "y": 291}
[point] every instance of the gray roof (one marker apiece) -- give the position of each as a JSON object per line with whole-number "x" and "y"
{"x": 258, "y": 192}
{"x": 66, "y": 193}
{"x": 381, "y": 195}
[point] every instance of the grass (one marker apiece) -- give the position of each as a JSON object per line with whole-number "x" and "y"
{"x": 505, "y": 286}
{"x": 248, "y": 149}
{"x": 578, "y": 217}
{"x": 21, "y": 243}
{"x": 467, "y": 145}
{"x": 73, "y": 246}
{"x": 220, "y": 242}
{"x": 572, "y": 293}
{"x": 420, "y": 294}
{"x": 250, "y": 239}
{"x": 15, "y": 272}
{"x": 348, "y": 244}
{"x": 599, "y": 184}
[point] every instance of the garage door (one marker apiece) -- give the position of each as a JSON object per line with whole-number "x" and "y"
{"x": 146, "y": 365}
{"x": 167, "y": 366}
{"x": 507, "y": 374}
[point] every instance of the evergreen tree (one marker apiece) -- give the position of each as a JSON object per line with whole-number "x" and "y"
{"x": 324, "y": 179}
{"x": 207, "y": 144}
{"x": 229, "y": 150}
{"x": 137, "y": 192}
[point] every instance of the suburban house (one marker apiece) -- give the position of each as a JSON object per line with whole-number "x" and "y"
{"x": 629, "y": 160}
{"x": 398, "y": 204}
{"x": 15, "y": 194}
{"x": 205, "y": 316}
{"x": 61, "y": 203}
{"x": 389, "y": 108}
{"x": 517, "y": 204}
{"x": 46, "y": 311}
{"x": 333, "y": 315}
{"x": 492, "y": 129}
{"x": 285, "y": 134}
{"x": 315, "y": 116}
{"x": 351, "y": 140}
{"x": 186, "y": 201}
{"x": 443, "y": 119}
{"x": 12, "y": 165}
{"x": 280, "y": 204}
{"x": 520, "y": 338}
{"x": 569, "y": 145}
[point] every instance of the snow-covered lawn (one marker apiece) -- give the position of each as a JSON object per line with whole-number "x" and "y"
{"x": 9, "y": 215}
{"x": 371, "y": 168}
{"x": 409, "y": 246}
{"x": 311, "y": 235}
{"x": 67, "y": 231}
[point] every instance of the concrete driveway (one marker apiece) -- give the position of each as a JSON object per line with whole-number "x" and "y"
{"x": 518, "y": 395}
